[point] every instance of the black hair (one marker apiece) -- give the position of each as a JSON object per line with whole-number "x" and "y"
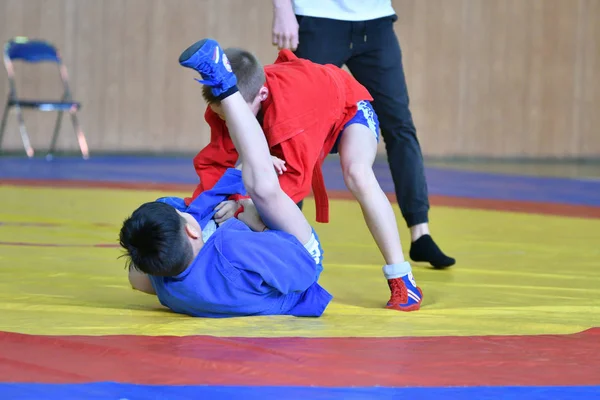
{"x": 249, "y": 72}
{"x": 155, "y": 241}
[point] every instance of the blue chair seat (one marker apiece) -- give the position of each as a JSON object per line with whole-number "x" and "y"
{"x": 45, "y": 105}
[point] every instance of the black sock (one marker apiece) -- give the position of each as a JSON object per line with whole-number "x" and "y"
{"x": 228, "y": 92}
{"x": 425, "y": 249}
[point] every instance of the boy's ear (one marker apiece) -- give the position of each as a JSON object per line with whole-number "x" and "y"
{"x": 263, "y": 93}
{"x": 191, "y": 231}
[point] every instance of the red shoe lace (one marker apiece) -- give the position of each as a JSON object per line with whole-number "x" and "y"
{"x": 398, "y": 289}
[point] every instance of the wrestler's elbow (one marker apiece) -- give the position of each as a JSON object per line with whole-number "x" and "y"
{"x": 262, "y": 190}
{"x": 140, "y": 281}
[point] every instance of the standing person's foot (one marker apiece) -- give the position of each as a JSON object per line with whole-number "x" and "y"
{"x": 424, "y": 249}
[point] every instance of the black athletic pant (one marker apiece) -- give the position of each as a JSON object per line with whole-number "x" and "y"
{"x": 372, "y": 53}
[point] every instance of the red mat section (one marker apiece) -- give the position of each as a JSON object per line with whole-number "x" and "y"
{"x": 431, "y": 362}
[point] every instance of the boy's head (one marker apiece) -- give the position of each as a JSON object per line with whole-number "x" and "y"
{"x": 250, "y": 81}
{"x": 159, "y": 240}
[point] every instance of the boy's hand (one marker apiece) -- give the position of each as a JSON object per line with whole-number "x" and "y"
{"x": 225, "y": 210}
{"x": 250, "y": 216}
{"x": 279, "y": 165}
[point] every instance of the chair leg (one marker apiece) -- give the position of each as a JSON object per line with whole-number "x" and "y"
{"x": 55, "y": 134}
{"x": 3, "y": 123}
{"x": 24, "y": 135}
{"x": 80, "y": 135}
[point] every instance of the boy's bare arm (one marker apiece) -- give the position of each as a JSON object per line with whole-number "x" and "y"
{"x": 140, "y": 281}
{"x": 277, "y": 210}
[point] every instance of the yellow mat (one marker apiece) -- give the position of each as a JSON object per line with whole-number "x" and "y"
{"x": 516, "y": 274}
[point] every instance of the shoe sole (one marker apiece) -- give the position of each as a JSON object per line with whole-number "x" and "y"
{"x": 190, "y": 51}
{"x": 442, "y": 266}
{"x": 414, "y": 307}
{"x": 434, "y": 266}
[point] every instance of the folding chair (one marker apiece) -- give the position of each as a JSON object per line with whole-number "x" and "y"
{"x": 35, "y": 51}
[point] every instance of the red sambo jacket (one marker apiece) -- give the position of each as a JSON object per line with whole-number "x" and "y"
{"x": 307, "y": 107}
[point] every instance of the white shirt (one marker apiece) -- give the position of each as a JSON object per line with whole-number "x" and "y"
{"x": 208, "y": 230}
{"x": 345, "y": 10}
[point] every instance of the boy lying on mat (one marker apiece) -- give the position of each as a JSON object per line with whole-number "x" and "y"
{"x": 238, "y": 268}
{"x": 244, "y": 266}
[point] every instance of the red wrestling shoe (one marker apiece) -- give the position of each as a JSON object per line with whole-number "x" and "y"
{"x": 406, "y": 296}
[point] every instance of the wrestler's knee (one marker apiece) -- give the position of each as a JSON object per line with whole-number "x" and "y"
{"x": 358, "y": 176}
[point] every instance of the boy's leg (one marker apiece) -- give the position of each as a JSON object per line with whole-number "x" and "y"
{"x": 377, "y": 64}
{"x": 358, "y": 148}
{"x": 276, "y": 208}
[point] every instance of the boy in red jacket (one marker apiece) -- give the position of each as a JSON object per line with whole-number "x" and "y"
{"x": 306, "y": 111}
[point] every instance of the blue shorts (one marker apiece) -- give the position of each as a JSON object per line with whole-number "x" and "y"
{"x": 365, "y": 115}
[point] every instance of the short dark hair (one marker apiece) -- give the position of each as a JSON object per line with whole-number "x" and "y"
{"x": 249, "y": 72}
{"x": 155, "y": 241}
